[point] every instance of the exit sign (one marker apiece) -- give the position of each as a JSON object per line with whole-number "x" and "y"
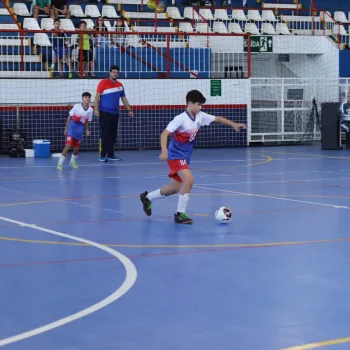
{"x": 259, "y": 44}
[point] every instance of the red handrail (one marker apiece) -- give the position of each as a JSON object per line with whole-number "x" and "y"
{"x": 167, "y": 35}
{"x": 336, "y": 23}
{"x": 169, "y": 58}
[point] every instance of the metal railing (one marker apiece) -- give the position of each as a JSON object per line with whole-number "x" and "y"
{"x": 139, "y": 54}
{"x": 281, "y": 108}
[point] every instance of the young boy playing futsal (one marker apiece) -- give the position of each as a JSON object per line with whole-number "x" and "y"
{"x": 184, "y": 129}
{"x": 78, "y": 120}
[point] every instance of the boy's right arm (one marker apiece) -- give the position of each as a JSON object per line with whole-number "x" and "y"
{"x": 163, "y": 144}
{"x": 172, "y": 127}
{"x": 67, "y": 123}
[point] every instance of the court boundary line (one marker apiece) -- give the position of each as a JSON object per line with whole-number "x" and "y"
{"x": 277, "y": 198}
{"x": 129, "y": 281}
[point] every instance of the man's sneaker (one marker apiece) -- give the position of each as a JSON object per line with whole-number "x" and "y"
{"x": 147, "y": 204}
{"x": 73, "y": 164}
{"x": 182, "y": 218}
{"x": 59, "y": 167}
{"x": 114, "y": 158}
{"x": 102, "y": 159}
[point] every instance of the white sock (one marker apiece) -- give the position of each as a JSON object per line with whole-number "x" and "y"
{"x": 182, "y": 203}
{"x": 74, "y": 158}
{"x": 61, "y": 160}
{"x": 154, "y": 195}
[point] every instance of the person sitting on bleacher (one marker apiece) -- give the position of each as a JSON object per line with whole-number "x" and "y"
{"x": 59, "y": 7}
{"x": 41, "y": 5}
{"x": 101, "y": 27}
{"x": 118, "y": 40}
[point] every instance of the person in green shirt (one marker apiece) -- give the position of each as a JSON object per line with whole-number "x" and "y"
{"x": 88, "y": 49}
{"x": 41, "y": 5}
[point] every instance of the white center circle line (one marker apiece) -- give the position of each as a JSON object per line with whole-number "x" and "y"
{"x": 130, "y": 279}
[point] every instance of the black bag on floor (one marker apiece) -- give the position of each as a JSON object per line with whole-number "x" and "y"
{"x": 16, "y": 144}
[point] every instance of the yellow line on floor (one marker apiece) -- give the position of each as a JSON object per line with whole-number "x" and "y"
{"x": 204, "y": 246}
{"x": 319, "y": 344}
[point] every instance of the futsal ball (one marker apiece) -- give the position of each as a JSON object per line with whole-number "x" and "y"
{"x": 223, "y": 214}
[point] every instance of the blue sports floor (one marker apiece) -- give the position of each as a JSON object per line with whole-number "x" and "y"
{"x": 82, "y": 267}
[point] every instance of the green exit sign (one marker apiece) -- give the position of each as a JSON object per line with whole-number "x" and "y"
{"x": 259, "y": 44}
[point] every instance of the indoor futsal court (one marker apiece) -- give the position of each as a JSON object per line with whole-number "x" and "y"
{"x": 83, "y": 268}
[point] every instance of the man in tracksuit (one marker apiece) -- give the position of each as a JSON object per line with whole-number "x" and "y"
{"x": 108, "y": 93}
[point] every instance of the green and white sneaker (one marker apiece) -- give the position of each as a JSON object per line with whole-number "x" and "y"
{"x": 147, "y": 204}
{"x": 59, "y": 167}
{"x": 182, "y": 218}
{"x": 73, "y": 164}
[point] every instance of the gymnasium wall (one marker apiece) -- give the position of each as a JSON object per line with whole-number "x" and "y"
{"x": 40, "y": 108}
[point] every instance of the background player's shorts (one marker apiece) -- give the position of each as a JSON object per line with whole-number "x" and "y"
{"x": 72, "y": 141}
{"x": 176, "y": 165}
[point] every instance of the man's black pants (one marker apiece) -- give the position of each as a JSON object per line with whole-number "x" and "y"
{"x": 108, "y": 133}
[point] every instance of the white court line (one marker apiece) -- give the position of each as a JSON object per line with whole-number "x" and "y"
{"x": 123, "y": 164}
{"x": 277, "y": 198}
{"x": 71, "y": 202}
{"x": 130, "y": 279}
{"x": 274, "y": 181}
{"x": 99, "y": 165}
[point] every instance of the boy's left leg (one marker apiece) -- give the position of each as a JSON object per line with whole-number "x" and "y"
{"x": 73, "y": 160}
{"x": 63, "y": 155}
{"x": 187, "y": 182}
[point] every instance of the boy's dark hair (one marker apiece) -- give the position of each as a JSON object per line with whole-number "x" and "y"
{"x": 56, "y": 20}
{"x": 86, "y": 94}
{"x": 114, "y": 67}
{"x": 195, "y": 96}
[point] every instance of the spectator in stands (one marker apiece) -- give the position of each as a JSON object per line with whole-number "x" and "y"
{"x": 100, "y": 27}
{"x": 59, "y": 7}
{"x": 88, "y": 50}
{"x": 109, "y": 92}
{"x": 41, "y": 5}
{"x": 59, "y": 44}
{"x": 119, "y": 26}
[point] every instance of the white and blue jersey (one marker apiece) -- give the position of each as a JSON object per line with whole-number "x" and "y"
{"x": 79, "y": 116}
{"x": 184, "y": 130}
